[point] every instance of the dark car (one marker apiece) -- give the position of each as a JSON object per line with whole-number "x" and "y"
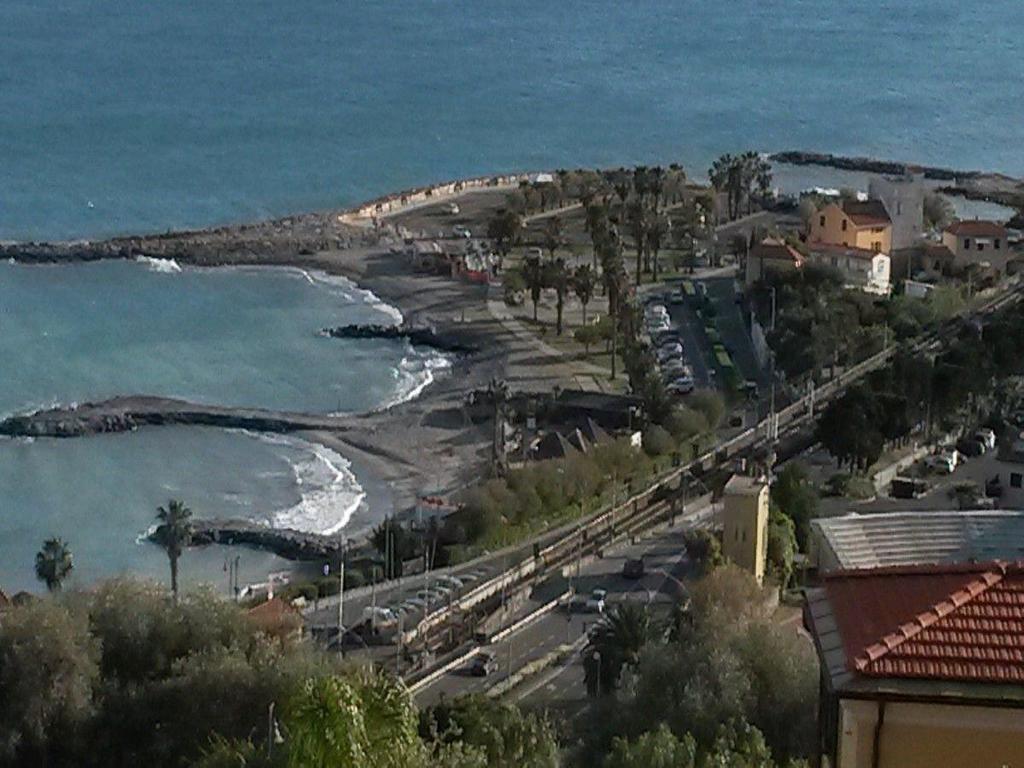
{"x": 483, "y": 665}
{"x": 633, "y": 568}
{"x": 970, "y": 447}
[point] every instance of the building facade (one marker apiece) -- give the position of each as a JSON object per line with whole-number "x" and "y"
{"x": 977, "y": 242}
{"x": 903, "y": 198}
{"x": 867, "y": 270}
{"x": 772, "y": 254}
{"x": 745, "y": 529}
{"x": 853, "y": 224}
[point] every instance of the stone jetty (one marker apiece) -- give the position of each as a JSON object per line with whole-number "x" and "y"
{"x": 285, "y": 542}
{"x": 124, "y": 414}
{"x": 420, "y": 336}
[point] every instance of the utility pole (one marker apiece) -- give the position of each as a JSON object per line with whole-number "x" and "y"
{"x": 341, "y": 601}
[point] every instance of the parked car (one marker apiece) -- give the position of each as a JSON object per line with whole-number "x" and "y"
{"x": 460, "y": 231}
{"x": 943, "y": 463}
{"x": 666, "y": 337}
{"x": 678, "y": 297}
{"x": 908, "y": 488}
{"x": 659, "y": 325}
{"x": 682, "y": 386}
{"x": 986, "y": 436}
{"x": 595, "y": 603}
{"x": 484, "y": 664}
{"x": 453, "y": 209}
{"x": 668, "y": 352}
{"x": 969, "y": 446}
{"x": 633, "y": 568}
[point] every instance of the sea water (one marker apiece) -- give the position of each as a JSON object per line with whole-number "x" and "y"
{"x": 118, "y": 117}
{"x": 232, "y": 336}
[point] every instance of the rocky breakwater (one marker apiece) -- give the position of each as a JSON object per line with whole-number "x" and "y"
{"x": 285, "y": 542}
{"x": 272, "y": 242}
{"x": 420, "y": 336}
{"x": 123, "y": 414}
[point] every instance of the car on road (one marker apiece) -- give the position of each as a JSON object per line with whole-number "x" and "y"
{"x": 673, "y": 368}
{"x": 633, "y": 568}
{"x": 484, "y": 664}
{"x": 658, "y": 325}
{"x": 666, "y": 337}
{"x": 460, "y": 231}
{"x": 656, "y": 310}
{"x": 986, "y": 436}
{"x": 453, "y": 209}
{"x": 943, "y": 463}
{"x": 678, "y": 297}
{"x": 596, "y": 601}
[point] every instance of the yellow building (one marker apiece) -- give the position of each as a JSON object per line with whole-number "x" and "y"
{"x": 921, "y": 666}
{"x": 854, "y": 224}
{"x": 745, "y": 533}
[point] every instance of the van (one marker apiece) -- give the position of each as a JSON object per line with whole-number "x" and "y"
{"x": 987, "y": 437}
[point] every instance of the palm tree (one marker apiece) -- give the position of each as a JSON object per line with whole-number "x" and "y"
{"x": 655, "y": 237}
{"x": 364, "y": 718}
{"x": 533, "y": 275}
{"x": 583, "y": 281}
{"x": 638, "y": 218}
{"x": 553, "y": 235}
{"x": 616, "y": 643}
{"x": 557, "y": 277}
{"x": 174, "y": 534}
{"x": 54, "y": 564}
{"x": 499, "y": 392}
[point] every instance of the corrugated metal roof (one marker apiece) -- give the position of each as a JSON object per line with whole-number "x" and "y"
{"x": 908, "y": 538}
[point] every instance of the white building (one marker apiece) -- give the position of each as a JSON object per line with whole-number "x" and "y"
{"x": 903, "y": 198}
{"x": 861, "y": 268}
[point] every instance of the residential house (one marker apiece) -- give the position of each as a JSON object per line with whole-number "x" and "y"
{"x": 277, "y": 618}
{"x": 921, "y": 666}
{"x": 977, "y": 242}
{"x": 745, "y": 524}
{"x": 772, "y": 254}
{"x": 868, "y": 270}
{"x": 861, "y": 224}
{"x": 903, "y": 198}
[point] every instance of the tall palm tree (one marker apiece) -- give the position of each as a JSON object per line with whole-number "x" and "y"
{"x": 557, "y": 277}
{"x": 533, "y": 275}
{"x": 54, "y": 564}
{"x": 616, "y": 643}
{"x": 553, "y": 235}
{"x": 174, "y": 534}
{"x": 583, "y": 281}
{"x": 656, "y": 233}
{"x": 638, "y": 219}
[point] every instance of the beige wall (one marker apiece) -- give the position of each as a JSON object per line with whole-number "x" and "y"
{"x": 930, "y": 736}
{"x": 964, "y": 255}
{"x": 745, "y": 530}
{"x": 831, "y": 231}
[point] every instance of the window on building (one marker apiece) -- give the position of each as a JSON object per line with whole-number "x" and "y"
{"x": 821, "y": 221}
{"x": 877, "y": 245}
{"x": 1016, "y": 480}
{"x": 967, "y": 242}
{"x": 995, "y": 244}
{"x": 843, "y": 227}
{"x": 744, "y": 534}
{"x": 736, "y": 536}
{"x": 835, "y": 261}
{"x": 981, "y": 246}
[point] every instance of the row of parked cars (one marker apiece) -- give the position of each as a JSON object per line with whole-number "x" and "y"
{"x": 668, "y": 349}
{"x": 948, "y": 458}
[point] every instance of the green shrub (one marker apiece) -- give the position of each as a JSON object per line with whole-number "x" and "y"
{"x": 658, "y": 441}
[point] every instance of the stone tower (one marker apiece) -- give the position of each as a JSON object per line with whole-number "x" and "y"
{"x": 903, "y": 198}
{"x": 745, "y": 536}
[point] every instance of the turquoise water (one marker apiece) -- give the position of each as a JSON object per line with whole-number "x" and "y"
{"x": 229, "y": 336}
{"x": 166, "y": 114}
{"x": 148, "y": 116}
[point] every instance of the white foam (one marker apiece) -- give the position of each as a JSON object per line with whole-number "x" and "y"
{"x": 354, "y": 292}
{"x": 329, "y": 491}
{"x": 415, "y": 373}
{"x": 167, "y": 266}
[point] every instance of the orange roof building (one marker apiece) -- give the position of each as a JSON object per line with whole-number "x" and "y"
{"x": 921, "y": 665}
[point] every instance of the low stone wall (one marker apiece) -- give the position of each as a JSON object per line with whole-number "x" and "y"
{"x": 395, "y": 203}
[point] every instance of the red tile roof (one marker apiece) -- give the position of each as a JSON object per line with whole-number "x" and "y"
{"x": 865, "y": 213}
{"x": 832, "y": 249}
{"x": 976, "y": 228}
{"x": 948, "y": 622}
{"x": 777, "y": 250}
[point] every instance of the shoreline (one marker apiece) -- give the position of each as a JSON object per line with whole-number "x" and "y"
{"x": 423, "y": 445}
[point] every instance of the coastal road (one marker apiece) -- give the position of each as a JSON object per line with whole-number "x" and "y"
{"x": 666, "y": 564}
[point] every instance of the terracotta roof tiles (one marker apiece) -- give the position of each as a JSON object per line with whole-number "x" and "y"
{"x": 953, "y": 622}
{"x": 866, "y": 213}
{"x": 976, "y": 228}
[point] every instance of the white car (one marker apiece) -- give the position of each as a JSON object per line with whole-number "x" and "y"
{"x": 658, "y": 326}
{"x": 595, "y": 603}
{"x": 682, "y": 386}
{"x": 656, "y": 310}
{"x": 460, "y": 231}
{"x": 669, "y": 351}
{"x": 987, "y": 437}
{"x": 943, "y": 463}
